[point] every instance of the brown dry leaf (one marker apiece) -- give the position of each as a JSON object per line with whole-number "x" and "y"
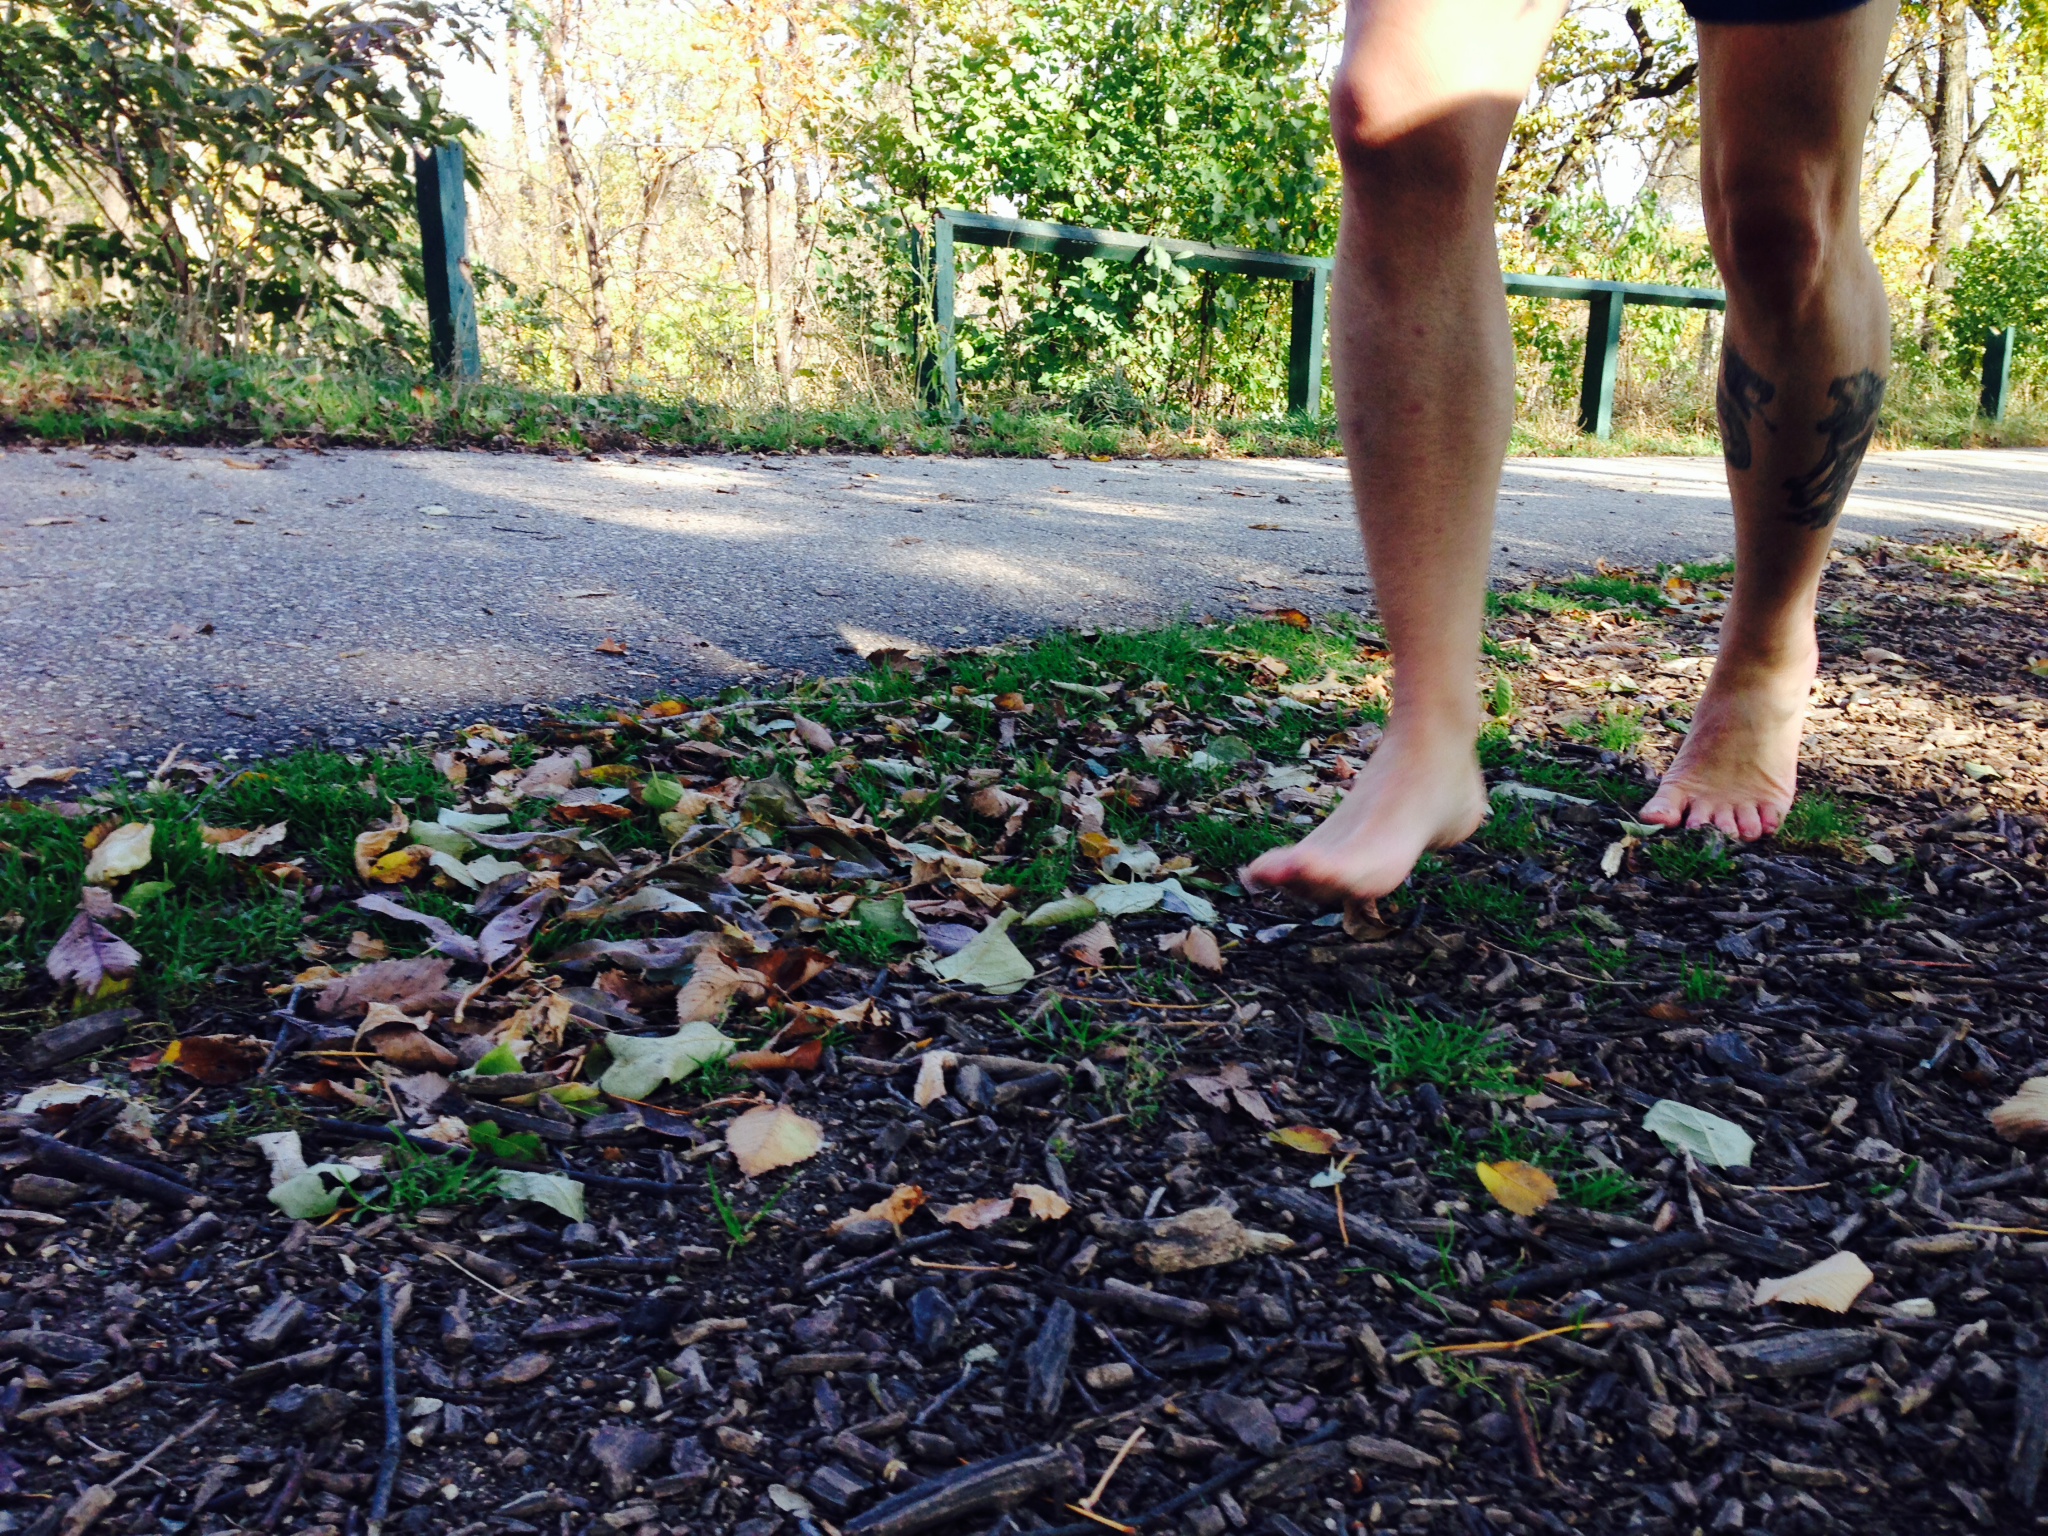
{"x": 1229, "y": 1085}
{"x": 789, "y": 971}
{"x": 239, "y": 842}
{"x": 219, "y": 1061}
{"x": 804, "y": 1058}
{"x": 812, "y": 734}
{"x": 609, "y": 647}
{"x": 714, "y": 982}
{"x": 1199, "y": 948}
{"x": 418, "y": 984}
{"x": 1096, "y": 845}
{"x": 976, "y": 1214}
{"x": 931, "y": 1077}
{"x": 403, "y": 1045}
{"x": 1306, "y": 1138}
{"x": 772, "y": 1136}
{"x": 2024, "y": 1116}
{"x": 1833, "y": 1284}
{"x": 363, "y": 946}
{"x": 1046, "y": 1204}
{"x": 996, "y": 803}
{"x": 1668, "y": 1012}
{"x": 1092, "y": 946}
{"x": 1522, "y": 1187}
{"x": 37, "y": 773}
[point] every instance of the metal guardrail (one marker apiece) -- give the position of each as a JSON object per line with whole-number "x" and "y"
{"x": 1310, "y": 275}
{"x": 443, "y": 204}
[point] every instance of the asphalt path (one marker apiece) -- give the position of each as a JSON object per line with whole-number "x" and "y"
{"x": 249, "y": 600}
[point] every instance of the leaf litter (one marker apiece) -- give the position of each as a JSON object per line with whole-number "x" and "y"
{"x": 731, "y": 1196}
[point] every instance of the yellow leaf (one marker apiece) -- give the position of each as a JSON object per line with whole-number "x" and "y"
{"x": 1046, "y": 1204}
{"x": 772, "y": 1136}
{"x": 1306, "y": 1138}
{"x": 1095, "y": 846}
{"x": 931, "y": 1077}
{"x": 373, "y": 845}
{"x": 1521, "y": 1187}
{"x": 1833, "y": 1284}
{"x": 401, "y": 866}
{"x": 121, "y": 852}
{"x": 896, "y": 1207}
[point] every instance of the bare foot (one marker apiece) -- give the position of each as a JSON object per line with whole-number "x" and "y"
{"x": 1739, "y": 766}
{"x": 1418, "y": 791}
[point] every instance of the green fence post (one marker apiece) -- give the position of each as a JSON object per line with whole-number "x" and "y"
{"x": 1603, "y": 356}
{"x": 942, "y": 315}
{"x": 1305, "y": 345}
{"x": 444, "y": 247}
{"x": 1997, "y": 372}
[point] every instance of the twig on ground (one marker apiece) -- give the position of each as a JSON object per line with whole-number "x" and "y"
{"x": 387, "y": 1462}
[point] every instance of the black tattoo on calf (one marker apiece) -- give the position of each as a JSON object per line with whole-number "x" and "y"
{"x": 1741, "y": 393}
{"x": 1818, "y": 495}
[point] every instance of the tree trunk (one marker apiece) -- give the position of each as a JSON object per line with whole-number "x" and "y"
{"x": 1948, "y": 131}
{"x": 583, "y": 202}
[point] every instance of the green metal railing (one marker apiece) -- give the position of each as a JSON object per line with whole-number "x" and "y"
{"x": 443, "y": 203}
{"x": 1310, "y": 275}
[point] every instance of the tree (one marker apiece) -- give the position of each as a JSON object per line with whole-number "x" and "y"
{"x": 238, "y": 161}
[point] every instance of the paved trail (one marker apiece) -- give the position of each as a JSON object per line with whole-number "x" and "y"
{"x": 269, "y": 599}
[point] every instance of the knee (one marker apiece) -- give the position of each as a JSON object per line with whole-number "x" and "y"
{"x": 1776, "y": 241}
{"x": 1394, "y": 157}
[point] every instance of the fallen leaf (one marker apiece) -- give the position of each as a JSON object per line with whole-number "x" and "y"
{"x": 1092, "y": 946}
{"x": 37, "y": 773}
{"x": 504, "y": 934}
{"x": 1197, "y": 946}
{"x": 236, "y": 843}
{"x": 405, "y": 1045}
{"x": 373, "y": 845}
{"x": 2024, "y": 1116}
{"x": 609, "y": 647}
{"x": 121, "y": 852}
{"x": 642, "y": 1063}
{"x": 418, "y": 985}
{"x": 772, "y": 1136}
{"x": 1714, "y": 1141}
{"x": 363, "y": 945}
{"x": 1834, "y": 1284}
{"x": 282, "y": 1150}
{"x": 812, "y": 734}
{"x": 931, "y": 1077}
{"x": 1231, "y": 1085}
{"x": 88, "y": 953}
{"x": 896, "y": 1207}
{"x": 219, "y": 1061}
{"x": 1065, "y": 909}
{"x": 1522, "y": 1187}
{"x": 976, "y": 1214}
{"x": 991, "y": 961}
{"x": 447, "y": 939}
{"x": 802, "y": 1058}
{"x": 713, "y": 983}
{"x": 401, "y": 865}
{"x": 316, "y": 1193}
{"x": 1197, "y": 1239}
{"x": 1045, "y": 1204}
{"x": 557, "y": 1191}
{"x": 1306, "y": 1138}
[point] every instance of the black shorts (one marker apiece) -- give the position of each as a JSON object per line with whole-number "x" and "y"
{"x": 1734, "y": 12}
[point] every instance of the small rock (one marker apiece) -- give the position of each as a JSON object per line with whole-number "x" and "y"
{"x": 1185, "y": 1146}
{"x": 1248, "y": 1418}
{"x": 690, "y": 1466}
{"x": 932, "y": 1321}
{"x": 624, "y": 1452}
{"x": 277, "y": 1323}
{"x": 971, "y": 1086}
{"x": 1113, "y": 1376}
{"x": 1207, "y": 1520}
{"x": 313, "y": 1410}
{"x": 739, "y": 1442}
{"x": 1981, "y": 1378}
{"x": 926, "y": 1446}
{"x": 45, "y": 1192}
{"x": 819, "y": 1327}
{"x": 518, "y": 1371}
{"x": 837, "y": 1488}
{"x": 1496, "y": 1426}
{"x": 582, "y": 1237}
{"x": 863, "y": 1235}
{"x": 692, "y": 1379}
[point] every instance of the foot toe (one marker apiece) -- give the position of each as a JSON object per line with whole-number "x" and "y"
{"x": 1749, "y": 825}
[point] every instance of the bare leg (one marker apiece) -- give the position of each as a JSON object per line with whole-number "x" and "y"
{"x": 1783, "y": 110}
{"x": 1424, "y": 368}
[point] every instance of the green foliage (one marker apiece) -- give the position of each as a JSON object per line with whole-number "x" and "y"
{"x": 1481, "y": 900}
{"x": 1204, "y": 122}
{"x": 2001, "y": 279}
{"x": 1619, "y": 728}
{"x": 739, "y": 1228}
{"x": 516, "y": 1146}
{"x": 1703, "y": 984}
{"x": 416, "y": 1181}
{"x": 252, "y": 149}
{"x": 1220, "y": 843}
{"x": 1512, "y": 828}
{"x": 1683, "y": 856}
{"x": 1068, "y": 1034}
{"x": 1405, "y": 1045}
{"x": 1820, "y": 822}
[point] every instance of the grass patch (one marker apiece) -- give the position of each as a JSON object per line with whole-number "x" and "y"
{"x": 739, "y": 1228}
{"x": 1481, "y": 900}
{"x": 1511, "y": 829}
{"x": 1404, "y": 1046}
{"x": 1820, "y": 823}
{"x": 1619, "y": 728}
{"x": 416, "y": 1181}
{"x": 1228, "y": 845}
{"x": 1687, "y": 856}
{"x": 1703, "y": 984}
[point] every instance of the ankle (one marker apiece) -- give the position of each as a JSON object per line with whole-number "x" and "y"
{"x": 1433, "y": 727}
{"x": 1769, "y": 642}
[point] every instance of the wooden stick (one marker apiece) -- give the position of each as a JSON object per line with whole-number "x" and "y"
{"x": 387, "y": 1462}
{"x": 1088, "y": 1504}
{"x": 76, "y": 1161}
{"x": 1490, "y": 1347}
